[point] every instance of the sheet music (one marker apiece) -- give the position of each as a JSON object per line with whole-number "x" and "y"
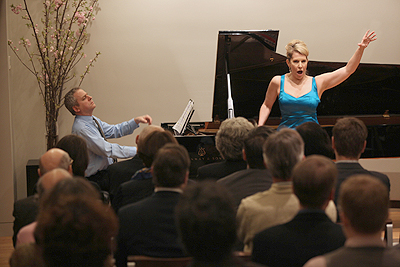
{"x": 181, "y": 124}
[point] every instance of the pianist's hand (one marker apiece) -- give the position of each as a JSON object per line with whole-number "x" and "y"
{"x": 368, "y": 37}
{"x": 144, "y": 119}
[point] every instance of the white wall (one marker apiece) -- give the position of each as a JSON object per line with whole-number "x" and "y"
{"x": 6, "y": 159}
{"x": 157, "y": 54}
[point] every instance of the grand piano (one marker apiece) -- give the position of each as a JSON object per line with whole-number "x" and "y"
{"x": 247, "y": 61}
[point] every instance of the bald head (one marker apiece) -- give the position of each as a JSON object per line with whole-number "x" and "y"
{"x": 50, "y": 179}
{"x": 145, "y": 132}
{"x": 52, "y": 159}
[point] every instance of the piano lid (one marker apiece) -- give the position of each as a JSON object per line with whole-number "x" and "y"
{"x": 251, "y": 60}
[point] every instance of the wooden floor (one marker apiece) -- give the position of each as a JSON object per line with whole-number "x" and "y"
{"x": 6, "y": 247}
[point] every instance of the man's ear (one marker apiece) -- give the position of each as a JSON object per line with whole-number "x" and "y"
{"x": 333, "y": 143}
{"x": 244, "y": 155}
{"x": 70, "y": 169}
{"x": 137, "y": 139}
{"x": 365, "y": 145}
{"x": 76, "y": 109}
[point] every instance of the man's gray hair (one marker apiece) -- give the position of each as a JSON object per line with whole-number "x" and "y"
{"x": 230, "y": 137}
{"x": 70, "y": 100}
{"x": 282, "y": 151}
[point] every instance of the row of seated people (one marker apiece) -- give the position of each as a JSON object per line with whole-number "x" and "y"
{"x": 280, "y": 177}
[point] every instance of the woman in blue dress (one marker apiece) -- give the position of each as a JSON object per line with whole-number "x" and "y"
{"x": 299, "y": 94}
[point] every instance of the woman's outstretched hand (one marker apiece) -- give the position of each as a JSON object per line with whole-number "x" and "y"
{"x": 368, "y": 37}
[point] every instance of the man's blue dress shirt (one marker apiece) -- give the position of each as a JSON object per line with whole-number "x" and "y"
{"x": 100, "y": 151}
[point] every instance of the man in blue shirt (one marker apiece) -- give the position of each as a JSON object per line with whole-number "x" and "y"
{"x": 96, "y": 133}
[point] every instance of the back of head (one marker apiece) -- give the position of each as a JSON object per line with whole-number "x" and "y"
{"x": 364, "y": 200}
{"x": 296, "y": 46}
{"x": 73, "y": 227}
{"x": 253, "y": 144}
{"x": 349, "y": 135}
{"x": 171, "y": 166}
{"x": 52, "y": 159}
{"x": 76, "y": 148}
{"x": 206, "y": 221}
{"x": 70, "y": 100}
{"x": 313, "y": 181}
{"x": 26, "y": 255}
{"x": 155, "y": 140}
{"x": 50, "y": 179}
{"x": 316, "y": 140}
{"x": 282, "y": 151}
{"x": 146, "y": 131}
{"x": 230, "y": 137}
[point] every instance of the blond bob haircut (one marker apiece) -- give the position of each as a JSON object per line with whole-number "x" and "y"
{"x": 296, "y": 46}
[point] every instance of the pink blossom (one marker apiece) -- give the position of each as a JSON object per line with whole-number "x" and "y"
{"x": 27, "y": 42}
{"x": 84, "y": 55}
{"x": 81, "y": 17}
{"x": 58, "y": 3}
{"x": 16, "y": 9}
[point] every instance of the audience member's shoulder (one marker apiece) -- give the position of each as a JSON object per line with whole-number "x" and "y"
{"x": 253, "y": 198}
{"x": 30, "y": 200}
{"x": 318, "y": 261}
{"x": 381, "y": 176}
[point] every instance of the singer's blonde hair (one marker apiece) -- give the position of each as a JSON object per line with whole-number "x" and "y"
{"x": 296, "y": 46}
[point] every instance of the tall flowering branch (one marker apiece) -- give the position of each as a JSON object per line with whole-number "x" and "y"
{"x": 54, "y": 50}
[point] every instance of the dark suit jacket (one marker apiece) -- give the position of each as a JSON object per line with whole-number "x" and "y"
{"x": 246, "y": 182}
{"x": 123, "y": 171}
{"x": 308, "y": 234}
{"x": 25, "y": 212}
{"x": 131, "y": 192}
{"x": 220, "y": 169}
{"x": 148, "y": 228}
{"x": 347, "y": 169}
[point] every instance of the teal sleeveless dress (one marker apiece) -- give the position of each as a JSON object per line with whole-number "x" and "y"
{"x": 295, "y": 111}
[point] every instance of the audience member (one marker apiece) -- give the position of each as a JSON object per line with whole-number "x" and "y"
{"x": 148, "y": 226}
{"x": 229, "y": 143}
{"x": 76, "y": 148}
{"x": 26, "y": 209}
{"x": 54, "y": 158}
{"x": 316, "y": 140}
{"x": 45, "y": 184}
{"x": 349, "y": 139}
{"x": 363, "y": 206}
{"x": 26, "y": 255}
{"x": 277, "y": 205}
{"x": 205, "y": 217}
{"x": 310, "y": 233}
{"x": 141, "y": 185}
{"x": 256, "y": 177}
{"x": 96, "y": 133}
{"x": 74, "y": 228}
{"x": 123, "y": 171}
